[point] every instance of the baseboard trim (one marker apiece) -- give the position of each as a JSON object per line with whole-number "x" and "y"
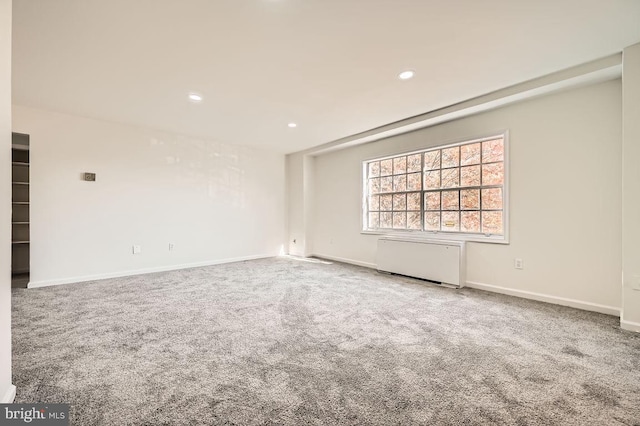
{"x": 345, "y": 260}
{"x": 9, "y": 396}
{"x": 630, "y": 325}
{"x": 79, "y": 279}
{"x": 578, "y": 304}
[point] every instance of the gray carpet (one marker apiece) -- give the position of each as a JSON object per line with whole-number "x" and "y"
{"x": 281, "y": 341}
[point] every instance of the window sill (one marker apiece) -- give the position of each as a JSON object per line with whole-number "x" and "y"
{"x": 422, "y": 236}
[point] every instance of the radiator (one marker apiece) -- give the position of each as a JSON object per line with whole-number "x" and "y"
{"x": 434, "y": 260}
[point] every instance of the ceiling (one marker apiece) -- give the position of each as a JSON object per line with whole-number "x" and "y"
{"x": 330, "y": 66}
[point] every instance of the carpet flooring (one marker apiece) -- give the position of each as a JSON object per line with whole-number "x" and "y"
{"x": 286, "y": 342}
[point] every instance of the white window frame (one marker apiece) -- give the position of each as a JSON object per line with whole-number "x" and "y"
{"x": 443, "y": 235}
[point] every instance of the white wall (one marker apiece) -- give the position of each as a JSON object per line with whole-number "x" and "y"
{"x": 565, "y": 197}
{"x": 214, "y": 202}
{"x": 631, "y": 184}
{"x": 295, "y": 204}
{"x": 6, "y": 389}
{"x": 300, "y": 175}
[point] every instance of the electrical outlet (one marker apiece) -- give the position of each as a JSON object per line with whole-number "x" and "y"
{"x": 518, "y": 263}
{"x": 136, "y": 249}
{"x": 171, "y": 246}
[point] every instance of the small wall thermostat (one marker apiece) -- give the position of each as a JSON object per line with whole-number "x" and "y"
{"x": 90, "y": 177}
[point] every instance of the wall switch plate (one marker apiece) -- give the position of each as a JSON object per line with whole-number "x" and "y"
{"x": 518, "y": 263}
{"x": 136, "y": 249}
{"x": 171, "y": 246}
{"x": 89, "y": 177}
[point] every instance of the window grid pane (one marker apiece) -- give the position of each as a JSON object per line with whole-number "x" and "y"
{"x": 456, "y": 189}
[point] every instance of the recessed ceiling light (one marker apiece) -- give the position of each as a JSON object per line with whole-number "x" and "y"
{"x": 195, "y": 97}
{"x": 292, "y": 125}
{"x": 406, "y": 75}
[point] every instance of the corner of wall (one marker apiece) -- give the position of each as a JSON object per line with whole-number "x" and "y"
{"x": 300, "y": 176}
{"x": 7, "y": 390}
{"x": 630, "y": 318}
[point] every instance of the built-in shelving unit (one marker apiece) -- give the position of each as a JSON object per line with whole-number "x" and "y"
{"x": 20, "y": 235}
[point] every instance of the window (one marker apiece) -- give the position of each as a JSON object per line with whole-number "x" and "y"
{"x": 457, "y": 190}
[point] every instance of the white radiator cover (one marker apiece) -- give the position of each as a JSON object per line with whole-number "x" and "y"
{"x": 435, "y": 260}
